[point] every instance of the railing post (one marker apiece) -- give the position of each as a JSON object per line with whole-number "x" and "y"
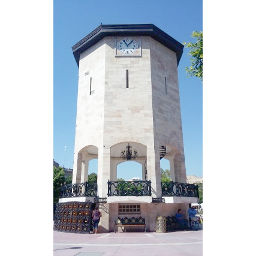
{"x": 109, "y": 188}
{"x": 86, "y": 186}
{"x": 197, "y": 191}
{"x": 149, "y": 187}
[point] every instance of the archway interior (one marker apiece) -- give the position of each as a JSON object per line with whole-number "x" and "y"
{"x": 93, "y": 166}
{"x": 129, "y": 170}
{"x": 128, "y": 161}
{"x": 165, "y": 170}
{"x": 86, "y": 163}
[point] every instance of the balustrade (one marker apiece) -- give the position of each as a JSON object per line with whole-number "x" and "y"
{"x": 179, "y": 189}
{"x": 129, "y": 188}
{"x": 79, "y": 189}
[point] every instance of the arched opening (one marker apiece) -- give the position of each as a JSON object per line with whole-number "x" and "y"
{"x": 167, "y": 166}
{"x": 165, "y": 170}
{"x": 86, "y": 156}
{"x": 129, "y": 170}
{"x": 128, "y": 161}
{"x": 93, "y": 170}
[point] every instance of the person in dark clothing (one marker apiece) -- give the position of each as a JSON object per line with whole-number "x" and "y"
{"x": 191, "y": 214}
{"x": 96, "y": 214}
{"x": 180, "y": 219}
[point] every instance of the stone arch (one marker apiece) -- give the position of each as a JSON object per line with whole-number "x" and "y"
{"x": 84, "y": 155}
{"x": 116, "y": 159}
{"x": 171, "y": 152}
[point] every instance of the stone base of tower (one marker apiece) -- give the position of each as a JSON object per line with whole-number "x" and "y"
{"x": 148, "y": 211}
{"x": 122, "y": 207}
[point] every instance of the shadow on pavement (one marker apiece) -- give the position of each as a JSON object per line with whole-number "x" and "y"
{"x": 68, "y": 248}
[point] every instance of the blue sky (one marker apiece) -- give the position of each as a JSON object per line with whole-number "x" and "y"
{"x": 75, "y": 19}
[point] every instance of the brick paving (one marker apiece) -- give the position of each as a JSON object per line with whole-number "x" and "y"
{"x": 180, "y": 243}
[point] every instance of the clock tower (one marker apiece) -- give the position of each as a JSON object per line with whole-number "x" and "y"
{"x": 128, "y": 108}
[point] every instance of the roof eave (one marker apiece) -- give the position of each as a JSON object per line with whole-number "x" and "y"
{"x": 127, "y": 30}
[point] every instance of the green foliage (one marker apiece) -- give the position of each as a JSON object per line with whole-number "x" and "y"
{"x": 68, "y": 180}
{"x": 200, "y": 191}
{"x": 165, "y": 175}
{"x": 58, "y": 181}
{"x": 196, "y": 53}
{"x": 92, "y": 178}
{"x": 124, "y": 188}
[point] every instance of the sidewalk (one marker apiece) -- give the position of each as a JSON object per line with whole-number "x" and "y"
{"x": 181, "y": 243}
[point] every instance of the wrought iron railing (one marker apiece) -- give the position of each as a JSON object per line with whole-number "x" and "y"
{"x": 129, "y": 188}
{"x": 79, "y": 189}
{"x": 179, "y": 189}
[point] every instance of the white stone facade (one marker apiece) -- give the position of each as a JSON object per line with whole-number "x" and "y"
{"x": 146, "y": 115}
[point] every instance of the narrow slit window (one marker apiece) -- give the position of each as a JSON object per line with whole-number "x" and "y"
{"x": 127, "y": 79}
{"x": 165, "y": 85}
{"x": 90, "y": 86}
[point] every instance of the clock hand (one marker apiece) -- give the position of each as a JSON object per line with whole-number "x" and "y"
{"x": 125, "y": 42}
{"x": 130, "y": 43}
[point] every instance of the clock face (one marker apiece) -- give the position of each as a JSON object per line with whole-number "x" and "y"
{"x": 127, "y": 47}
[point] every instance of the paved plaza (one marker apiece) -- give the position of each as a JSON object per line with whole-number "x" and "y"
{"x": 180, "y": 243}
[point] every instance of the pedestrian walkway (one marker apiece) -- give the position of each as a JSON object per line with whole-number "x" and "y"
{"x": 182, "y": 243}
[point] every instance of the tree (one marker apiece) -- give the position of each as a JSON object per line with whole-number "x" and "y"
{"x": 92, "y": 178}
{"x": 68, "y": 179}
{"x": 58, "y": 182}
{"x": 200, "y": 192}
{"x": 196, "y": 53}
{"x": 165, "y": 175}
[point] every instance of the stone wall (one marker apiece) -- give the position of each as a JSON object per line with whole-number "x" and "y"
{"x": 90, "y": 108}
{"x": 166, "y": 104}
{"x": 148, "y": 211}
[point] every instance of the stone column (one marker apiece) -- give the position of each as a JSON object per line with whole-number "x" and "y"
{"x": 179, "y": 168}
{"x": 171, "y": 161}
{"x": 143, "y": 171}
{"x": 77, "y": 176}
{"x": 153, "y": 169}
{"x": 103, "y": 171}
{"x": 84, "y": 170}
{"x": 74, "y": 174}
{"x": 104, "y": 220}
{"x": 172, "y": 171}
{"x": 102, "y": 181}
{"x": 113, "y": 171}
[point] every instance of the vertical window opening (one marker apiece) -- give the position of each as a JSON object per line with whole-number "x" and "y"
{"x": 127, "y": 79}
{"x": 90, "y": 86}
{"x": 165, "y": 85}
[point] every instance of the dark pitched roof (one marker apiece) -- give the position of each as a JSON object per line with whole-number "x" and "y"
{"x": 127, "y": 30}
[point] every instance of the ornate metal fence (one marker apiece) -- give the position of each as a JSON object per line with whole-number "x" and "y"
{"x": 129, "y": 188}
{"x": 179, "y": 189}
{"x": 79, "y": 189}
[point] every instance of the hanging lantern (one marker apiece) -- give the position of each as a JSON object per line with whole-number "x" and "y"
{"x": 129, "y": 154}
